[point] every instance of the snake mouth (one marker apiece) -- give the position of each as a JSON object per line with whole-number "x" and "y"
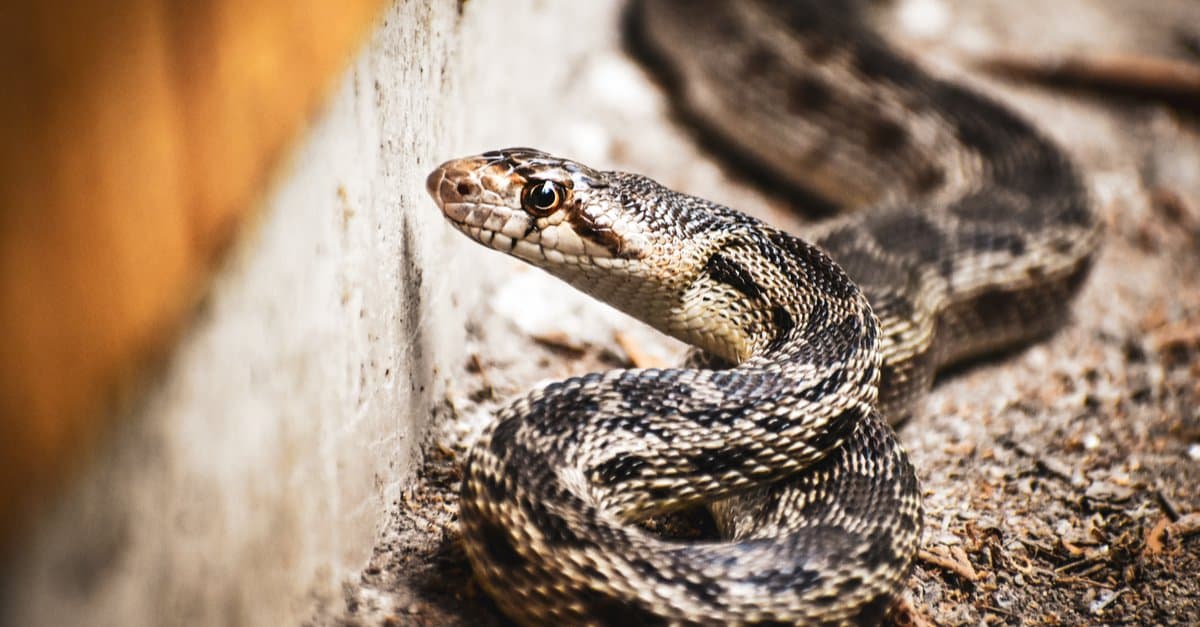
{"x": 457, "y": 214}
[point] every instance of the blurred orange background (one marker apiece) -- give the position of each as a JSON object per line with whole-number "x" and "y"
{"x": 135, "y": 136}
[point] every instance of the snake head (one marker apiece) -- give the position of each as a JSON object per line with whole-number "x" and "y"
{"x": 542, "y": 209}
{"x": 620, "y": 237}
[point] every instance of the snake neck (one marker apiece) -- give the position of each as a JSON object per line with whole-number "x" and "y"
{"x": 783, "y": 303}
{"x": 713, "y": 277}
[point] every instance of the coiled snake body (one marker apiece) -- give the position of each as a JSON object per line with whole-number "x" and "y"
{"x": 976, "y": 234}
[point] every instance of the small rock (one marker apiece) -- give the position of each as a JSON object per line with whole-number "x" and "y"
{"x": 1193, "y": 452}
{"x": 1106, "y": 491}
{"x": 1054, "y": 468}
{"x": 924, "y": 18}
{"x": 1103, "y": 599}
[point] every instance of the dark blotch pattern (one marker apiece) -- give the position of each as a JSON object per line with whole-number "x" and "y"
{"x": 982, "y": 125}
{"x": 711, "y": 417}
{"x": 782, "y": 324}
{"x": 724, "y": 270}
{"x": 759, "y": 62}
{"x": 784, "y": 580}
{"x": 1076, "y": 214}
{"x": 818, "y": 317}
{"x": 928, "y": 179}
{"x": 805, "y": 17}
{"x": 706, "y": 591}
{"x": 721, "y": 460}
{"x": 837, "y": 343}
{"x": 824, "y": 387}
{"x": 876, "y": 63}
{"x": 808, "y": 94}
{"x": 554, "y": 527}
{"x": 814, "y": 266}
{"x": 606, "y": 610}
{"x": 499, "y": 545}
{"x": 598, "y": 233}
{"x": 1041, "y": 172}
{"x": 561, "y": 407}
{"x": 618, "y": 469}
{"x": 908, "y": 234}
{"x": 872, "y": 613}
{"x": 885, "y": 136}
{"x": 503, "y": 436}
{"x": 984, "y": 240}
{"x": 495, "y": 488}
{"x": 986, "y": 208}
{"x": 839, "y": 428}
{"x": 774, "y": 423}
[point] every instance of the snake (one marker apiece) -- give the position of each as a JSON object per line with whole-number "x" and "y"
{"x": 966, "y": 231}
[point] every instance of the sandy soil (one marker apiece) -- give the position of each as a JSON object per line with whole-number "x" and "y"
{"x": 1062, "y": 481}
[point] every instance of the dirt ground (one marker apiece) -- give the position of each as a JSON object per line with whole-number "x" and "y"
{"x": 1061, "y": 481}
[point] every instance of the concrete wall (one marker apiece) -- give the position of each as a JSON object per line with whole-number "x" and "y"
{"x": 251, "y": 477}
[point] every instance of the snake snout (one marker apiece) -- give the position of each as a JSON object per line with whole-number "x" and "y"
{"x": 452, "y": 182}
{"x": 446, "y": 186}
{"x": 433, "y": 183}
{"x": 457, "y": 181}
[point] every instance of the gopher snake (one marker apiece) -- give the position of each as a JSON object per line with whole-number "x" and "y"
{"x": 781, "y": 425}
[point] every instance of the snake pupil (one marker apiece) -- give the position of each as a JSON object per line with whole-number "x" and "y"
{"x": 542, "y": 197}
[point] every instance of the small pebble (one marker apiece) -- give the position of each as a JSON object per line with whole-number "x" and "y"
{"x": 1106, "y": 491}
{"x": 1193, "y": 452}
{"x": 1055, "y": 467}
{"x": 924, "y": 18}
{"x": 1091, "y": 441}
{"x": 1102, "y": 600}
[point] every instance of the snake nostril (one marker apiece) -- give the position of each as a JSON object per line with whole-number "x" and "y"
{"x": 464, "y": 188}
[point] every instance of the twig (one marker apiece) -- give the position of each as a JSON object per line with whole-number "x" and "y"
{"x": 956, "y": 564}
{"x": 1154, "y": 539}
{"x": 1168, "y": 507}
{"x": 1141, "y": 75}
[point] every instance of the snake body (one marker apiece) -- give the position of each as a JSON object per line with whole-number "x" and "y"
{"x": 975, "y": 233}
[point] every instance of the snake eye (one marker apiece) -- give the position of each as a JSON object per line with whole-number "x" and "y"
{"x": 541, "y": 198}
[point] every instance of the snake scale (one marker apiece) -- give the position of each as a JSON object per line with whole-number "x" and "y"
{"x": 972, "y": 233}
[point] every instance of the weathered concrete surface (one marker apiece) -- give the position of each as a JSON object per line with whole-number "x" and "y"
{"x": 254, "y": 474}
